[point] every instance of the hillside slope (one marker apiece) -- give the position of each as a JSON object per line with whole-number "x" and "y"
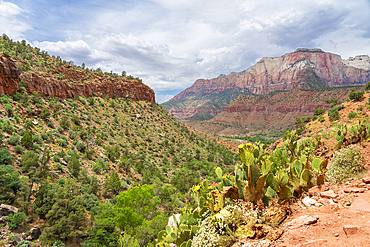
{"x": 269, "y": 113}
{"x": 24, "y": 66}
{"x": 67, "y": 152}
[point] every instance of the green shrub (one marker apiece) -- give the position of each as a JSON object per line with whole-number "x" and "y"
{"x": 319, "y": 112}
{"x": 9, "y": 109}
{"x": 45, "y": 113}
{"x": 345, "y": 164}
{"x": 50, "y": 124}
{"x": 333, "y": 115}
{"x": 56, "y": 158}
{"x": 36, "y": 139}
{"x": 59, "y": 167}
{"x": 16, "y": 219}
{"x": 81, "y": 146}
{"x": 98, "y": 141}
{"x": 367, "y": 88}
{"x": 24, "y": 243}
{"x": 5, "y": 156}
{"x": 58, "y": 244}
{"x": 62, "y": 142}
{"x": 356, "y": 96}
{"x": 18, "y": 149}
{"x": 14, "y": 140}
{"x": 64, "y": 122}
{"x": 75, "y": 119}
{"x": 72, "y": 135}
{"x": 352, "y": 115}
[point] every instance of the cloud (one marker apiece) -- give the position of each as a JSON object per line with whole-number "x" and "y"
{"x": 9, "y": 22}
{"x": 170, "y": 44}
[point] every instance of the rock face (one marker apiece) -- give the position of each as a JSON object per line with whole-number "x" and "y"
{"x": 9, "y": 75}
{"x": 10, "y": 78}
{"x": 225, "y": 102}
{"x": 285, "y": 73}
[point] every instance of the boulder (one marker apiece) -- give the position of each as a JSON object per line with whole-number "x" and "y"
{"x": 35, "y": 233}
{"x": 5, "y": 210}
{"x": 360, "y": 204}
{"x": 302, "y": 221}
{"x": 330, "y": 194}
{"x": 351, "y": 229}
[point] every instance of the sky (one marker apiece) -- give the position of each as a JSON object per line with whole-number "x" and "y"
{"x": 171, "y": 43}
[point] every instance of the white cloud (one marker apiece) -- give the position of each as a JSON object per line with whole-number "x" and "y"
{"x": 9, "y": 22}
{"x": 170, "y": 44}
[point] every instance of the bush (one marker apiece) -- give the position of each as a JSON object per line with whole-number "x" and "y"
{"x": 18, "y": 149}
{"x": 81, "y": 146}
{"x": 56, "y": 158}
{"x": 352, "y": 115}
{"x": 333, "y": 115}
{"x": 9, "y": 109}
{"x": 356, "y": 96}
{"x": 75, "y": 119}
{"x": 367, "y": 88}
{"x": 62, "y": 142}
{"x": 50, "y": 124}
{"x": 319, "y": 112}
{"x": 64, "y": 122}
{"x": 345, "y": 164}
{"x": 5, "y": 156}
{"x": 58, "y": 244}
{"x": 45, "y": 113}
{"x": 13, "y": 140}
{"x": 24, "y": 243}
{"x": 321, "y": 119}
{"x": 16, "y": 219}
{"x": 36, "y": 139}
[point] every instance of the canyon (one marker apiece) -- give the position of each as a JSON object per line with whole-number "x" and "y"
{"x": 230, "y": 99}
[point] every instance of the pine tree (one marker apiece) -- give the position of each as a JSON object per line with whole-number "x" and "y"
{"x": 26, "y": 140}
{"x": 74, "y": 164}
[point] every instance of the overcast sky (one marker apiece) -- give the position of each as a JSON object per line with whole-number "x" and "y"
{"x": 171, "y": 43}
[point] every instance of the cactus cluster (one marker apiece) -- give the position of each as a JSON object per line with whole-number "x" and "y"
{"x": 356, "y": 133}
{"x": 256, "y": 180}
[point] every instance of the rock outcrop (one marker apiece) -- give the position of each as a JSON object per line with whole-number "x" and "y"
{"x": 9, "y": 75}
{"x": 285, "y": 73}
{"x": 5, "y": 210}
{"x": 10, "y": 78}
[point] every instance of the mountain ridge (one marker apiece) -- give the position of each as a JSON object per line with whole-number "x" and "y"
{"x": 305, "y": 69}
{"x": 278, "y": 78}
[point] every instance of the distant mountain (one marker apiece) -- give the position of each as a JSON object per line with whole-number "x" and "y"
{"x": 306, "y": 69}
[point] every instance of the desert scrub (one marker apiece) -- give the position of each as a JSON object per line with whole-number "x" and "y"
{"x": 345, "y": 164}
{"x": 217, "y": 230}
{"x": 209, "y": 234}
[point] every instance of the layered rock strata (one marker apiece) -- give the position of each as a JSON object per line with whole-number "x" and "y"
{"x": 10, "y": 78}
{"x": 284, "y": 73}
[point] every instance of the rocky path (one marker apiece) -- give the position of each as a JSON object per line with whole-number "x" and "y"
{"x": 330, "y": 216}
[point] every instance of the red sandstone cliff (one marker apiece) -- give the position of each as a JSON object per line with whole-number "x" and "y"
{"x": 10, "y": 77}
{"x": 284, "y": 73}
